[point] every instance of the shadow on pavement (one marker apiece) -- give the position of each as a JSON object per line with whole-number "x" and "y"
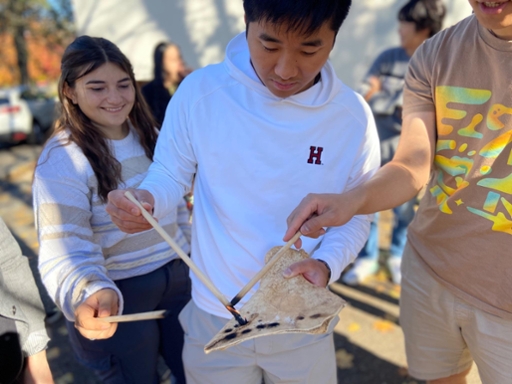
{"x": 381, "y": 296}
{"x": 358, "y": 366}
{"x": 377, "y": 299}
{"x": 16, "y": 192}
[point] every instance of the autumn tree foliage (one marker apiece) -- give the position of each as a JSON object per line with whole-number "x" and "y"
{"x": 33, "y": 35}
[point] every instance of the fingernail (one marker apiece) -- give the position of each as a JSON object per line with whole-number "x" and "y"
{"x": 287, "y": 272}
{"x": 134, "y": 211}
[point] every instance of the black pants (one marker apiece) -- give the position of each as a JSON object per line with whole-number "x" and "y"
{"x": 131, "y": 355}
{"x": 11, "y": 357}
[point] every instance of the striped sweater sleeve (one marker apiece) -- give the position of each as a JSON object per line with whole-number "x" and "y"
{"x": 71, "y": 263}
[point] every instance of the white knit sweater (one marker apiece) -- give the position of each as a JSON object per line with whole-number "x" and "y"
{"x": 81, "y": 249}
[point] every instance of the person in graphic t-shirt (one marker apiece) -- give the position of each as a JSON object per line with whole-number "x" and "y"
{"x": 456, "y": 305}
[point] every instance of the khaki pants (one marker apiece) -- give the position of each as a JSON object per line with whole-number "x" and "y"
{"x": 288, "y": 358}
{"x": 444, "y": 334}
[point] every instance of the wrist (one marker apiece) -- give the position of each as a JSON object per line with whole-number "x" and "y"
{"x": 37, "y": 369}
{"x": 329, "y": 272}
{"x": 358, "y": 198}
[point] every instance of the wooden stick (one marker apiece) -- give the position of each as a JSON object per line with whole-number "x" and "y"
{"x": 265, "y": 269}
{"x": 179, "y": 251}
{"x": 135, "y": 316}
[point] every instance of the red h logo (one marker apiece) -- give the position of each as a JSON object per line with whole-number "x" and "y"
{"x": 315, "y": 153}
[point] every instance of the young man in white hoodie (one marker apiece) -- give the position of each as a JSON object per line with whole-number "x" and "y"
{"x": 259, "y": 130}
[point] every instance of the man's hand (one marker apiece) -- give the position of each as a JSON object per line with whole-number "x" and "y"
{"x": 313, "y": 271}
{"x": 317, "y": 211}
{"x": 103, "y": 303}
{"x": 37, "y": 370}
{"x": 126, "y": 215}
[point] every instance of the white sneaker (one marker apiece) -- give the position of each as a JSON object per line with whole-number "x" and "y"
{"x": 360, "y": 271}
{"x": 394, "y": 263}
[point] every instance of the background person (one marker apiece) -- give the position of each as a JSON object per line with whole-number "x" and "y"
{"x": 21, "y": 314}
{"x": 383, "y": 89}
{"x": 454, "y": 305}
{"x": 169, "y": 70}
{"x": 105, "y": 138}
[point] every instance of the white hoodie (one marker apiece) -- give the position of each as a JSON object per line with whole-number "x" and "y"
{"x": 249, "y": 150}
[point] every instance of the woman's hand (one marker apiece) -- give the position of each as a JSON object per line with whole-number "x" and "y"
{"x": 88, "y": 315}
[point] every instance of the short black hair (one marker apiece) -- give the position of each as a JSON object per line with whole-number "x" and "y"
{"x": 306, "y": 16}
{"x": 425, "y": 14}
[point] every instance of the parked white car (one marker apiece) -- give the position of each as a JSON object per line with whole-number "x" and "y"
{"x": 26, "y": 114}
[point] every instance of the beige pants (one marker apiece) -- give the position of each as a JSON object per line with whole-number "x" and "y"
{"x": 288, "y": 358}
{"x": 444, "y": 334}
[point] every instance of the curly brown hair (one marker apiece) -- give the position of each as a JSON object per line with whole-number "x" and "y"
{"x": 84, "y": 55}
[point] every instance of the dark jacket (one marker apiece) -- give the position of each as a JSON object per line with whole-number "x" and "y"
{"x": 157, "y": 97}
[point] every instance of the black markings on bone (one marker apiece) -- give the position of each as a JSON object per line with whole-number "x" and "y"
{"x": 316, "y": 316}
{"x": 300, "y": 317}
{"x": 270, "y": 325}
{"x": 246, "y": 331}
{"x": 230, "y": 336}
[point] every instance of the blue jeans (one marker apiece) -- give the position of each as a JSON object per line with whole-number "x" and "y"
{"x": 403, "y": 215}
{"x": 131, "y": 355}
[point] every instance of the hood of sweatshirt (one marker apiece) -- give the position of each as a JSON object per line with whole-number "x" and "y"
{"x": 239, "y": 67}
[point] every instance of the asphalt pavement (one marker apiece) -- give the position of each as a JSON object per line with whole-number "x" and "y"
{"x": 368, "y": 337}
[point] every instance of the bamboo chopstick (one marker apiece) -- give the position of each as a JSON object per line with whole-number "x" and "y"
{"x": 135, "y": 316}
{"x": 179, "y": 251}
{"x": 265, "y": 269}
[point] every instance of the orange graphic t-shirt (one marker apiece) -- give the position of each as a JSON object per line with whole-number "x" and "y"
{"x": 463, "y": 229}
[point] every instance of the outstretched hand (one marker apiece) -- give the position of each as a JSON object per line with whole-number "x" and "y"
{"x": 88, "y": 315}
{"x": 125, "y": 214}
{"x": 317, "y": 211}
